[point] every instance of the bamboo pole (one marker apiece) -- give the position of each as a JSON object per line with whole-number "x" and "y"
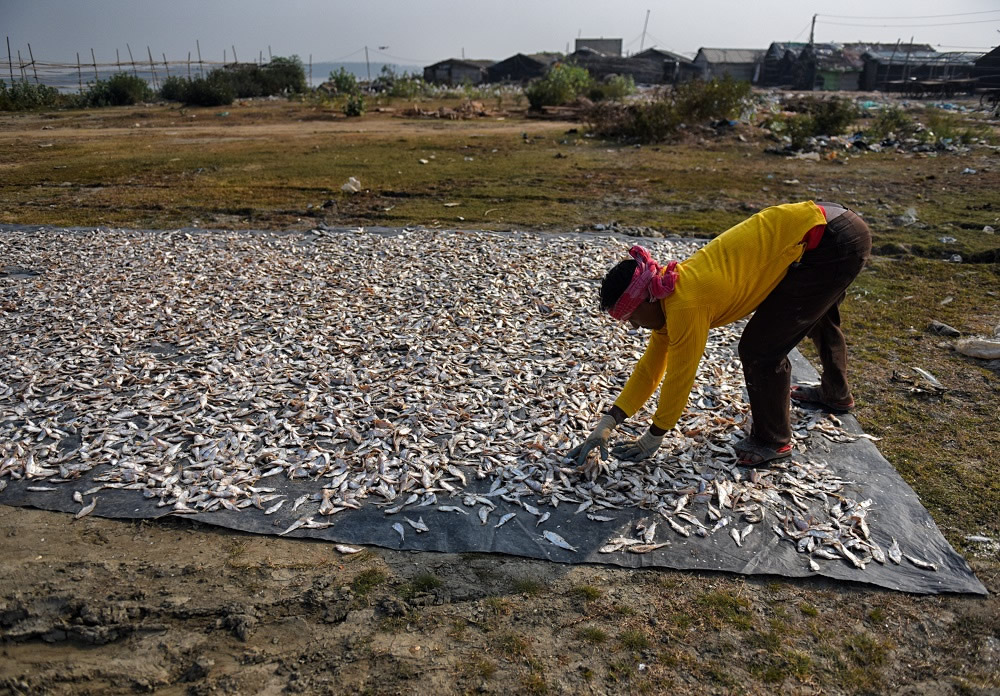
{"x": 34, "y": 68}
{"x": 152, "y": 68}
{"x": 189, "y": 66}
{"x": 201, "y": 69}
{"x": 235, "y": 59}
{"x": 79, "y": 72}
{"x": 166, "y": 66}
{"x": 10, "y": 61}
{"x": 20, "y": 66}
{"x": 131, "y": 59}
{"x": 94, "y": 59}
{"x": 118, "y": 60}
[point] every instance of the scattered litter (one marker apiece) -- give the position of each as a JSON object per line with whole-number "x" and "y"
{"x": 955, "y": 258}
{"x": 988, "y": 230}
{"x": 947, "y": 240}
{"x": 352, "y": 186}
{"x": 423, "y": 161}
{"x": 969, "y": 170}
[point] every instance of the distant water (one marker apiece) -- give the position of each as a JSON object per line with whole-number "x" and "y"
{"x": 68, "y": 81}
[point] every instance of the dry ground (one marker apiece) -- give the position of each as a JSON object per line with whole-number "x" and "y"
{"x": 100, "y": 606}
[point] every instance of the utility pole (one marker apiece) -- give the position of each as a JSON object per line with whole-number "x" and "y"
{"x": 644, "y": 25}
{"x": 368, "y": 67}
{"x": 10, "y": 61}
{"x": 812, "y": 30}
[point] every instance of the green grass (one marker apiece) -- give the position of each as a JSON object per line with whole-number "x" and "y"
{"x": 727, "y": 608}
{"x": 588, "y": 593}
{"x": 592, "y": 634}
{"x": 367, "y": 580}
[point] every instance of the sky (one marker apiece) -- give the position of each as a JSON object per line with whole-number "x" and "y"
{"x": 421, "y": 32}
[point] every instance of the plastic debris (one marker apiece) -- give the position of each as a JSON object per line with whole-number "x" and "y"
{"x": 352, "y": 186}
{"x": 981, "y": 348}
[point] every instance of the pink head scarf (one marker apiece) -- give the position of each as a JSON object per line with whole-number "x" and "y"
{"x": 649, "y": 282}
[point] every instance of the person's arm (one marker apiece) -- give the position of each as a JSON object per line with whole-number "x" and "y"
{"x": 646, "y": 375}
{"x": 686, "y": 350}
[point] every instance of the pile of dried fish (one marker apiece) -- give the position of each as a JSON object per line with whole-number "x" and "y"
{"x": 192, "y": 367}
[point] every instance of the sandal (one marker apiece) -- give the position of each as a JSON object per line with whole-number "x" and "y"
{"x": 754, "y": 454}
{"x": 812, "y": 395}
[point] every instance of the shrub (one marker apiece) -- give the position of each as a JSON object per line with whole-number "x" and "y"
{"x": 698, "y": 101}
{"x": 891, "y": 120}
{"x": 613, "y": 87}
{"x": 208, "y": 91}
{"x": 21, "y": 95}
{"x": 174, "y": 88}
{"x": 121, "y": 89}
{"x": 661, "y": 117}
{"x": 355, "y": 105}
{"x": 344, "y": 82}
{"x": 561, "y": 85}
{"x": 406, "y": 86}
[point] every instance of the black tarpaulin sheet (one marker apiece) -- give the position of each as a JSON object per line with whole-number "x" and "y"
{"x": 897, "y": 513}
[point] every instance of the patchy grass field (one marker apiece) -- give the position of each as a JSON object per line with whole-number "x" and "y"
{"x": 175, "y": 607}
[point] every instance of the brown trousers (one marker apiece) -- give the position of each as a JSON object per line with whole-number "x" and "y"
{"x": 805, "y": 303}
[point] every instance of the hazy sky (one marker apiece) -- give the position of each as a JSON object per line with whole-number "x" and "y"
{"x": 420, "y": 32}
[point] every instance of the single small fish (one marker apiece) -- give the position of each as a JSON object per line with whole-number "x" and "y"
{"x": 813, "y": 566}
{"x": 532, "y": 510}
{"x": 645, "y": 548}
{"x": 895, "y": 554}
{"x": 505, "y": 519}
{"x": 344, "y": 548}
{"x": 39, "y": 489}
{"x": 87, "y": 510}
{"x": 919, "y": 562}
{"x": 77, "y": 497}
{"x": 484, "y": 514}
{"x": 720, "y": 524}
{"x": 295, "y": 525}
{"x": 451, "y": 508}
{"x": 418, "y": 525}
{"x": 679, "y": 528}
{"x": 557, "y": 540}
{"x": 599, "y": 518}
{"x": 735, "y": 534}
{"x": 649, "y": 533}
{"x": 545, "y": 516}
{"x": 299, "y": 501}
{"x": 399, "y": 530}
{"x": 274, "y": 508}
{"x": 746, "y": 532}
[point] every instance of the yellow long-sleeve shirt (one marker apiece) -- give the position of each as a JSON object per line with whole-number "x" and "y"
{"x": 722, "y": 282}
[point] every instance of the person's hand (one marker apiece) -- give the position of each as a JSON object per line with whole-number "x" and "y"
{"x": 598, "y": 438}
{"x": 643, "y": 448}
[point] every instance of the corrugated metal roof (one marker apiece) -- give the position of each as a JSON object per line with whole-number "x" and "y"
{"x": 925, "y": 58}
{"x": 731, "y": 55}
{"x": 660, "y": 52}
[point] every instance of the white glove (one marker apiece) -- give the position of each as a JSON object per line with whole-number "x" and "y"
{"x": 643, "y": 448}
{"x": 598, "y": 438}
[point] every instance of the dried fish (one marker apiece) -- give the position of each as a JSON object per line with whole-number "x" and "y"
{"x": 398, "y": 528}
{"x": 919, "y": 562}
{"x": 345, "y": 549}
{"x": 274, "y": 362}
{"x": 557, "y": 540}
{"x": 505, "y": 519}
{"x": 417, "y": 525}
{"x": 87, "y": 509}
{"x": 894, "y": 553}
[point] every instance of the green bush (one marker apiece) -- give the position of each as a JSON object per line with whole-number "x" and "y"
{"x": 344, "y": 82}
{"x": 174, "y": 88}
{"x": 561, "y": 85}
{"x": 208, "y": 91}
{"x": 21, "y": 95}
{"x": 614, "y": 87}
{"x": 717, "y": 99}
{"x": 405, "y": 86}
{"x": 121, "y": 89}
{"x": 891, "y": 120}
{"x": 355, "y": 105}
{"x": 661, "y": 117}
{"x": 945, "y": 127}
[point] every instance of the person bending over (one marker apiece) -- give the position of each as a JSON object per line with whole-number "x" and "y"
{"x": 790, "y": 265}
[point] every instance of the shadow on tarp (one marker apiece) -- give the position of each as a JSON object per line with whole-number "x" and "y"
{"x": 897, "y": 512}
